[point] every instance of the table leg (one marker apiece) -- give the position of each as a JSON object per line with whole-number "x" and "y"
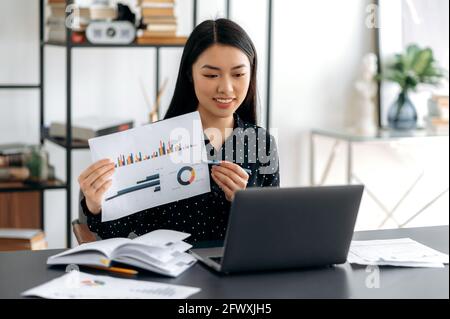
{"x": 423, "y": 208}
{"x": 311, "y": 160}
{"x": 391, "y": 213}
{"x": 349, "y": 162}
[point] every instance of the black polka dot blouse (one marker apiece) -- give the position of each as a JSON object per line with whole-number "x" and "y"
{"x": 205, "y": 216}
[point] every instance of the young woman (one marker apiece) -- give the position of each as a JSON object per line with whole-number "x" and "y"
{"x": 217, "y": 78}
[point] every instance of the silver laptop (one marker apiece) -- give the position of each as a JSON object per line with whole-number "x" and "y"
{"x": 281, "y": 228}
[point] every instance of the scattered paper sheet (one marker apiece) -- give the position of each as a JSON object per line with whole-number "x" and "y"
{"x": 79, "y": 285}
{"x": 403, "y": 252}
{"x": 156, "y": 164}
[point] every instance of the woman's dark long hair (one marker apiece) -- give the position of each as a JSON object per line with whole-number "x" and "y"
{"x": 206, "y": 34}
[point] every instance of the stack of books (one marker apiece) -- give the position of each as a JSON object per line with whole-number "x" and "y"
{"x": 437, "y": 119}
{"x": 21, "y": 239}
{"x": 158, "y": 17}
{"x": 89, "y": 127}
{"x": 80, "y": 17}
{"x": 20, "y": 163}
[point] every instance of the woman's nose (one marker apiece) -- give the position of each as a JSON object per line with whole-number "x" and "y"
{"x": 225, "y": 86}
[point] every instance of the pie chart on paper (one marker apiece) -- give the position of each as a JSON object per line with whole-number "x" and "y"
{"x": 186, "y": 175}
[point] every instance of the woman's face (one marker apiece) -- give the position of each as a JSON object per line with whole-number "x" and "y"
{"x": 221, "y": 78}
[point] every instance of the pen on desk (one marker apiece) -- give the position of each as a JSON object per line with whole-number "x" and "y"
{"x": 118, "y": 270}
{"x": 216, "y": 162}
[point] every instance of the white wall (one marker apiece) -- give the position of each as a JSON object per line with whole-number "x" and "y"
{"x": 317, "y": 50}
{"x": 318, "y": 46}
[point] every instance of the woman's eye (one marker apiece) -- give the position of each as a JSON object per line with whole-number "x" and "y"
{"x": 240, "y": 75}
{"x": 210, "y": 76}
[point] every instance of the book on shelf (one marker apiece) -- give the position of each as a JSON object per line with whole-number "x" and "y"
{"x": 24, "y": 163}
{"x": 59, "y": 10}
{"x": 160, "y": 21}
{"x": 156, "y": 34}
{"x": 161, "y": 251}
{"x": 436, "y": 124}
{"x": 60, "y": 36}
{"x": 82, "y": 16}
{"x": 177, "y": 40}
{"x": 161, "y": 28}
{"x": 84, "y": 13}
{"x": 157, "y": 5}
{"x": 155, "y": 2}
{"x": 158, "y": 11}
{"x": 437, "y": 119}
{"x": 13, "y": 160}
{"x": 441, "y": 100}
{"x": 103, "y": 12}
{"x": 89, "y": 127}
{"x": 14, "y": 174}
{"x": 25, "y": 174}
{"x": 22, "y": 239}
{"x": 55, "y": 21}
{"x": 13, "y": 148}
{"x": 56, "y": 33}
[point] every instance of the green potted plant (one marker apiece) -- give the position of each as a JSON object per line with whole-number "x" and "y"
{"x": 409, "y": 69}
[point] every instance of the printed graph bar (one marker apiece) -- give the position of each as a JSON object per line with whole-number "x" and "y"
{"x": 134, "y": 188}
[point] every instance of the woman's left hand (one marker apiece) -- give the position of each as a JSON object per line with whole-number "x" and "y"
{"x": 230, "y": 177}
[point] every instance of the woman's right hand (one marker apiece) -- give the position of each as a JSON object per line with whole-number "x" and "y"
{"x": 94, "y": 182}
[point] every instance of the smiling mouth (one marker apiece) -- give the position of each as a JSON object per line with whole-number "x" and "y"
{"x": 224, "y": 100}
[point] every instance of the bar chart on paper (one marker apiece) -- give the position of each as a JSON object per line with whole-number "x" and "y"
{"x": 163, "y": 149}
{"x": 154, "y": 165}
{"x": 149, "y": 181}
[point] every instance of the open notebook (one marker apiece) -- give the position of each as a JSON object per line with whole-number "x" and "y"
{"x": 162, "y": 251}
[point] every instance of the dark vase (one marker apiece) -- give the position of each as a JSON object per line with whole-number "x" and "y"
{"x": 402, "y": 114}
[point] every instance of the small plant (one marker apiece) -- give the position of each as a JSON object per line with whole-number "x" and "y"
{"x": 413, "y": 67}
{"x": 409, "y": 69}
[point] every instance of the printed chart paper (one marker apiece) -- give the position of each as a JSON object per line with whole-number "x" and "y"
{"x": 80, "y": 285}
{"x": 155, "y": 164}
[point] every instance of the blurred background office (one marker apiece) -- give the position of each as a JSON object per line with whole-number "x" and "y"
{"x": 318, "y": 96}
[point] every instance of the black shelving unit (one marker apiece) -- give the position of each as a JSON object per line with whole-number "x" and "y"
{"x": 68, "y": 144}
{"x": 17, "y": 187}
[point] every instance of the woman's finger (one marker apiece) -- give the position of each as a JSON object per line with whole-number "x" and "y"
{"x": 237, "y": 179}
{"x": 99, "y": 173}
{"x": 226, "y": 181}
{"x": 88, "y": 188}
{"x": 228, "y": 192}
{"x": 102, "y": 179}
{"x": 88, "y": 171}
{"x": 103, "y": 188}
{"x": 235, "y": 168}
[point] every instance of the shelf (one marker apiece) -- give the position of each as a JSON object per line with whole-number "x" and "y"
{"x": 8, "y": 187}
{"x": 76, "y": 144}
{"x": 19, "y": 86}
{"x": 131, "y": 45}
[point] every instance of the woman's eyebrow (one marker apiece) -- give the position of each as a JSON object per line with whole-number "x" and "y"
{"x": 207, "y": 66}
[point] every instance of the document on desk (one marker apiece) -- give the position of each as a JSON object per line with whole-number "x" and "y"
{"x": 79, "y": 285}
{"x": 155, "y": 164}
{"x": 403, "y": 252}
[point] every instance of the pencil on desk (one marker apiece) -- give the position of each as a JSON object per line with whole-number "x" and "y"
{"x": 117, "y": 270}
